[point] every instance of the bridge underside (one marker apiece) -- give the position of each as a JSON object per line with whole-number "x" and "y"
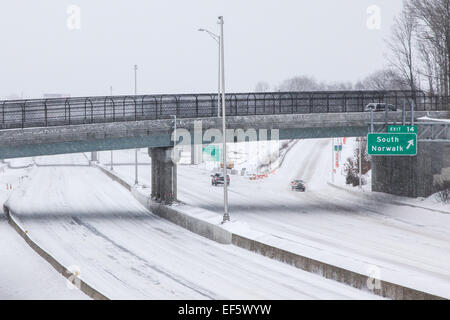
{"x": 29, "y": 142}
{"x": 157, "y": 141}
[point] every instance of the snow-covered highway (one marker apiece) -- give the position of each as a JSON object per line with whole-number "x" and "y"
{"x": 92, "y": 224}
{"x": 408, "y": 245}
{"x": 402, "y": 244}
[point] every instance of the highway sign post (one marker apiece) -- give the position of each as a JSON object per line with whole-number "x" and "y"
{"x": 392, "y": 144}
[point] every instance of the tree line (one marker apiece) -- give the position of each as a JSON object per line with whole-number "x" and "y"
{"x": 418, "y": 56}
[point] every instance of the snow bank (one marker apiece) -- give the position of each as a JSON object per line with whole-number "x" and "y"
{"x": 24, "y": 274}
{"x": 426, "y": 118}
{"x": 59, "y": 267}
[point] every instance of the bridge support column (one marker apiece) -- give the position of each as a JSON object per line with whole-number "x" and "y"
{"x": 94, "y": 156}
{"x": 164, "y": 175}
{"x": 418, "y": 176}
{"x": 196, "y": 146}
{"x": 196, "y": 153}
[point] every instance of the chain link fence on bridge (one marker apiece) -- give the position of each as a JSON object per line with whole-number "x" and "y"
{"x": 86, "y": 110}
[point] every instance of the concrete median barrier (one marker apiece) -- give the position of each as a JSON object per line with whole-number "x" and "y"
{"x": 354, "y": 279}
{"x": 83, "y": 286}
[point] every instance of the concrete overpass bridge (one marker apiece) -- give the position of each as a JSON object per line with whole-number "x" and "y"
{"x": 69, "y": 125}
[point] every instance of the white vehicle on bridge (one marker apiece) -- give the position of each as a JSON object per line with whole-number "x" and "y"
{"x": 380, "y": 107}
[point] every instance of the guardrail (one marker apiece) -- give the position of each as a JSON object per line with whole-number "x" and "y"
{"x": 85, "y": 110}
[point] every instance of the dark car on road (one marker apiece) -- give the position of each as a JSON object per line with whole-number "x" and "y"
{"x": 380, "y": 107}
{"x": 298, "y": 185}
{"x": 217, "y": 178}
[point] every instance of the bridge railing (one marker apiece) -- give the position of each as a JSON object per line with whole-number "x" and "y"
{"x": 85, "y": 110}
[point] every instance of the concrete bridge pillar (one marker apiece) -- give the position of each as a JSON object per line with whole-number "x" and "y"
{"x": 164, "y": 175}
{"x": 94, "y": 156}
{"x": 418, "y": 176}
{"x": 196, "y": 153}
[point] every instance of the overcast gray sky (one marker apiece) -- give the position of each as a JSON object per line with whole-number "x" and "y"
{"x": 264, "y": 40}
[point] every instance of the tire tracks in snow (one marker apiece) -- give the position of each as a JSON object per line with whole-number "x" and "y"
{"x": 186, "y": 283}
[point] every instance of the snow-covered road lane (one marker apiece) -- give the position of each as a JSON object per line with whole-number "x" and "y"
{"x": 91, "y": 223}
{"x": 410, "y": 246}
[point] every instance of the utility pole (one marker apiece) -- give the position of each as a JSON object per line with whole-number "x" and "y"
{"x": 332, "y": 160}
{"x": 404, "y": 112}
{"x": 175, "y": 140}
{"x": 218, "y": 91}
{"x": 135, "y": 150}
{"x": 226, "y": 216}
{"x": 217, "y": 39}
{"x": 110, "y": 93}
{"x": 371, "y": 120}
{"x": 360, "y": 169}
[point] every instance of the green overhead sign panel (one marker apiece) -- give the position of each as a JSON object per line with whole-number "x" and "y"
{"x": 392, "y": 144}
{"x": 214, "y": 152}
{"x": 402, "y": 129}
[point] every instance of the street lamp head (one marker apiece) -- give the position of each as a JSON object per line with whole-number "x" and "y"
{"x": 212, "y": 35}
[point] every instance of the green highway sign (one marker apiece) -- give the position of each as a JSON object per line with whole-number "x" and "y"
{"x": 213, "y": 152}
{"x": 392, "y": 144}
{"x": 402, "y": 129}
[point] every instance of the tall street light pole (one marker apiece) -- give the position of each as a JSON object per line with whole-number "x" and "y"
{"x": 135, "y": 150}
{"x": 175, "y": 140}
{"x": 110, "y": 92}
{"x": 226, "y": 216}
{"x": 360, "y": 168}
{"x": 332, "y": 160}
{"x": 217, "y": 39}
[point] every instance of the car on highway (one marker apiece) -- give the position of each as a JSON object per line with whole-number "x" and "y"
{"x": 217, "y": 178}
{"x": 298, "y": 185}
{"x": 380, "y": 107}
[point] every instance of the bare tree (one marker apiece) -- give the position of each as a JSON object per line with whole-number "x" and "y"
{"x": 402, "y": 46}
{"x": 301, "y": 83}
{"x": 336, "y": 86}
{"x": 384, "y": 79}
{"x": 428, "y": 68}
{"x": 433, "y": 24}
{"x": 262, "y": 86}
